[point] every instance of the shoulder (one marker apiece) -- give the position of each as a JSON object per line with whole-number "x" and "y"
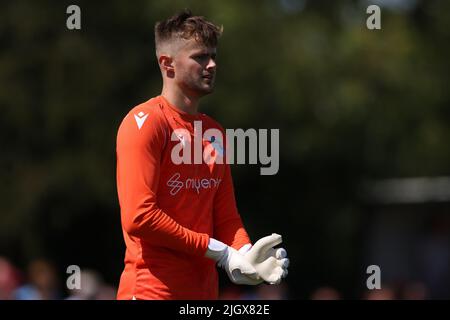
{"x": 149, "y": 110}
{"x": 143, "y": 121}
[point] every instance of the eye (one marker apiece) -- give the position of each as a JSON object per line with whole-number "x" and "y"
{"x": 201, "y": 56}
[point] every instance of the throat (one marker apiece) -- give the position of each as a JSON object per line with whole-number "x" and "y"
{"x": 183, "y": 102}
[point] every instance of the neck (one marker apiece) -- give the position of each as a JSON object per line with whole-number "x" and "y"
{"x": 185, "y": 102}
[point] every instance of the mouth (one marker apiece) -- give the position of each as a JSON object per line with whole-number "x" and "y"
{"x": 208, "y": 76}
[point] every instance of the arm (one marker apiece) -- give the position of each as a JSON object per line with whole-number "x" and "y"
{"x": 138, "y": 166}
{"x": 250, "y": 265}
{"x": 228, "y": 226}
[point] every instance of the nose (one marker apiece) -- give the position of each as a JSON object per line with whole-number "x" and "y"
{"x": 211, "y": 66}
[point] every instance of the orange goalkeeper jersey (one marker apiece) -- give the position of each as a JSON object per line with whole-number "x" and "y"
{"x": 169, "y": 211}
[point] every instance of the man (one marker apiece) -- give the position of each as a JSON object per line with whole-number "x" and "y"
{"x": 180, "y": 219}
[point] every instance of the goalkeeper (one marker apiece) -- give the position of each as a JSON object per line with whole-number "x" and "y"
{"x": 180, "y": 220}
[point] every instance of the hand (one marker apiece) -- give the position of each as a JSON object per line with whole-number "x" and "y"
{"x": 271, "y": 264}
{"x": 238, "y": 269}
{"x": 240, "y": 278}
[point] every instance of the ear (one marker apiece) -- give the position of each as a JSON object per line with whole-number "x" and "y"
{"x": 166, "y": 63}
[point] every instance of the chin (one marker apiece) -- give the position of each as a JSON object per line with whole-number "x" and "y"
{"x": 209, "y": 90}
{"x": 205, "y": 90}
{"x": 200, "y": 89}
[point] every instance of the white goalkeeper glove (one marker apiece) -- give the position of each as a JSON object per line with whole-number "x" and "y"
{"x": 270, "y": 264}
{"x": 239, "y": 270}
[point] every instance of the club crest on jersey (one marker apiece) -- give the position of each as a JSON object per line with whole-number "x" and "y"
{"x": 217, "y": 145}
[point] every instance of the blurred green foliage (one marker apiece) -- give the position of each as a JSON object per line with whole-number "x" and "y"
{"x": 351, "y": 104}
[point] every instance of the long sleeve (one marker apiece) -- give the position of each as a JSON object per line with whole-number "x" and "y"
{"x": 140, "y": 142}
{"x": 228, "y": 226}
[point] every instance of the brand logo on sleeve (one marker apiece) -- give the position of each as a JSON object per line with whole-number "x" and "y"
{"x": 140, "y": 119}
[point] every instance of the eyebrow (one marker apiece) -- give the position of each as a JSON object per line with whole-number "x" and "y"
{"x": 203, "y": 53}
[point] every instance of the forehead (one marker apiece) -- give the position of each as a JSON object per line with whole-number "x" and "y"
{"x": 192, "y": 45}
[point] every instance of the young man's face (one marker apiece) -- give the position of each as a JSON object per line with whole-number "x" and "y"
{"x": 195, "y": 68}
